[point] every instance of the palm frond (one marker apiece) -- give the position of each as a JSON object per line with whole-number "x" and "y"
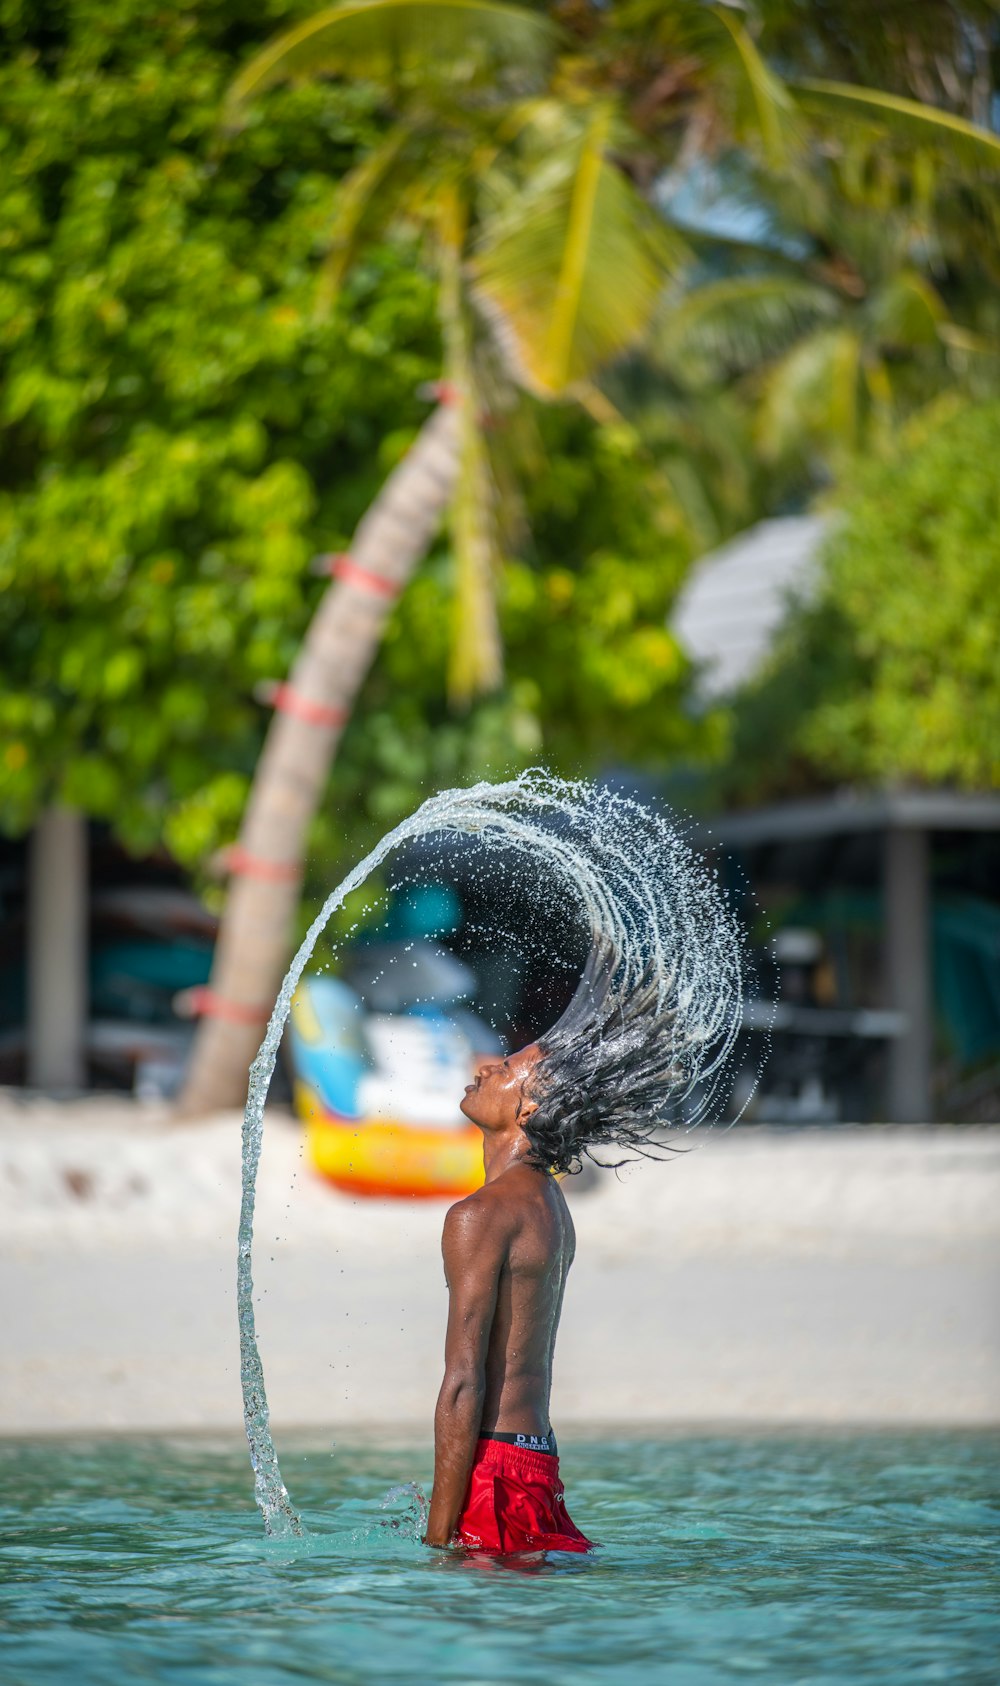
{"x": 475, "y": 662}
{"x": 712, "y": 68}
{"x": 730, "y": 325}
{"x": 878, "y": 384}
{"x": 571, "y": 279}
{"x": 810, "y": 394}
{"x": 696, "y": 455}
{"x": 966, "y": 341}
{"x": 907, "y": 311}
{"x": 389, "y": 39}
{"x": 763, "y": 111}
{"x": 355, "y": 201}
{"x": 940, "y": 411}
{"x": 916, "y": 124}
{"x": 842, "y": 410}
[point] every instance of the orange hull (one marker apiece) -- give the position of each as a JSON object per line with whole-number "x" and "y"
{"x": 381, "y": 1158}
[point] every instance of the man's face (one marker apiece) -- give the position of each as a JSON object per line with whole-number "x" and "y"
{"x": 500, "y": 1095}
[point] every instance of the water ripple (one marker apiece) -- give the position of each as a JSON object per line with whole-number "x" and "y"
{"x": 848, "y": 1561}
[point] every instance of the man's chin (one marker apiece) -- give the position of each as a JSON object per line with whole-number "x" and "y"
{"x": 465, "y": 1105}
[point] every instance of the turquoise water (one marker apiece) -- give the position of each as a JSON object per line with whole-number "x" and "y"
{"x": 787, "y": 1560}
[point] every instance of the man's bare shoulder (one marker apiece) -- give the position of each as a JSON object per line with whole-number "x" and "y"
{"x": 476, "y": 1216}
{"x": 477, "y": 1232}
{"x": 499, "y": 1208}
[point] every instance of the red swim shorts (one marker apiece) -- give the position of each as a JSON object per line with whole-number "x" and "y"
{"x": 515, "y": 1503}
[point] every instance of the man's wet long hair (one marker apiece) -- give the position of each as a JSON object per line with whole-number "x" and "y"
{"x": 612, "y": 1073}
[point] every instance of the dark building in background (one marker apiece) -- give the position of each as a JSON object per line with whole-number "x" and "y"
{"x": 875, "y": 913}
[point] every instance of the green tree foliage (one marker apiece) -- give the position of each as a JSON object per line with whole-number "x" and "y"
{"x": 890, "y": 674}
{"x": 859, "y": 282}
{"x": 183, "y": 430}
{"x": 941, "y": 53}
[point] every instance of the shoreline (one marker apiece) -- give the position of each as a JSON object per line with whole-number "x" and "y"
{"x": 308, "y": 1438}
{"x": 828, "y": 1280}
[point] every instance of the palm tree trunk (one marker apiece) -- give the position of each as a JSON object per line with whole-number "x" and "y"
{"x": 336, "y": 654}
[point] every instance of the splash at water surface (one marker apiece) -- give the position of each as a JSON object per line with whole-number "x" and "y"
{"x": 656, "y": 924}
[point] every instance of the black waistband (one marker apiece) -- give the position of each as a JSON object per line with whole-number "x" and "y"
{"x": 530, "y": 1442}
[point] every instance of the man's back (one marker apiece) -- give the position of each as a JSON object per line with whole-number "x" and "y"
{"x": 531, "y": 1212}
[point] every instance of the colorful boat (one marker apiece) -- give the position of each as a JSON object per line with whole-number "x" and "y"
{"x": 379, "y": 1094}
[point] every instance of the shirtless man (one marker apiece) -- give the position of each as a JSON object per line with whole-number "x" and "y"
{"x": 507, "y": 1251}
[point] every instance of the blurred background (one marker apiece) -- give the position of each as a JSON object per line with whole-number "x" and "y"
{"x": 435, "y": 393}
{"x": 726, "y": 532}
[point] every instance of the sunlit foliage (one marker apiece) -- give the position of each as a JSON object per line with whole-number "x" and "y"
{"x": 184, "y": 431}
{"x": 890, "y": 674}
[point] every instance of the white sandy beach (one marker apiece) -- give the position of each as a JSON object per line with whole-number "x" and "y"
{"x": 836, "y": 1277}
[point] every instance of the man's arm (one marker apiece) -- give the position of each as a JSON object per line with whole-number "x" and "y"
{"x": 474, "y": 1247}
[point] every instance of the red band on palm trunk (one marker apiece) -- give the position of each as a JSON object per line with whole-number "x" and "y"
{"x": 288, "y": 701}
{"x": 207, "y": 1005}
{"x": 238, "y": 860}
{"x": 344, "y": 567}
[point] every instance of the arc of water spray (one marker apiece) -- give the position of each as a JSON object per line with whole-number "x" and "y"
{"x": 653, "y": 905}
